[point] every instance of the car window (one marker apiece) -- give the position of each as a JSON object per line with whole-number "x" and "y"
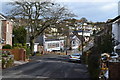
{"x": 75, "y": 54}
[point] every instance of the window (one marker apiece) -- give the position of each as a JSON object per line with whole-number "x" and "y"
{"x": 73, "y": 43}
{"x": 57, "y": 44}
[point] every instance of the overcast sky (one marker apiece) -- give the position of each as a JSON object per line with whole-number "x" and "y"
{"x": 93, "y": 10}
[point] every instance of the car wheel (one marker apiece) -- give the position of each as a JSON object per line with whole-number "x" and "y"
{"x": 69, "y": 60}
{"x": 79, "y": 61}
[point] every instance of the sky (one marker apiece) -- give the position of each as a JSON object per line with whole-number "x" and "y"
{"x": 93, "y": 10}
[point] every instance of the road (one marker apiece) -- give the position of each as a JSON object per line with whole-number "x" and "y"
{"x": 48, "y": 66}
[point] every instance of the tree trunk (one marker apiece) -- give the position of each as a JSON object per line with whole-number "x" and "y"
{"x": 32, "y": 45}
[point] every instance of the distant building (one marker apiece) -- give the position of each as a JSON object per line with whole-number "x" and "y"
{"x": 54, "y": 45}
{"x": 75, "y": 42}
{"x": 6, "y": 27}
{"x": 60, "y": 44}
{"x": 39, "y": 41}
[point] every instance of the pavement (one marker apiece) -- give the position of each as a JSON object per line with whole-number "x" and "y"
{"x": 47, "y": 66}
{"x": 19, "y": 62}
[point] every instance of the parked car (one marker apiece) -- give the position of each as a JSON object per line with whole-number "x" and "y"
{"x": 114, "y": 55}
{"x": 75, "y": 57}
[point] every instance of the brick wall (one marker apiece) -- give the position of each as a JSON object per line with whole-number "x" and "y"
{"x": 19, "y": 54}
{"x": 114, "y": 70}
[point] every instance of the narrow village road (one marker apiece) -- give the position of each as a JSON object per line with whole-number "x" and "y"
{"x": 48, "y": 66}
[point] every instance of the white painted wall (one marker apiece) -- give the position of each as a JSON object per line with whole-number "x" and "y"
{"x": 84, "y": 34}
{"x": 76, "y": 43}
{"x": 115, "y": 30}
{"x": 35, "y": 47}
{"x": 119, "y": 32}
{"x": 54, "y": 48}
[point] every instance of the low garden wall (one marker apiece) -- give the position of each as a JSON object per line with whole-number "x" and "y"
{"x": 9, "y": 55}
{"x": 7, "y": 59}
{"x": 19, "y": 53}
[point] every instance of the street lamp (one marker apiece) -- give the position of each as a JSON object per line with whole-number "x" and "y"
{"x": 67, "y": 39}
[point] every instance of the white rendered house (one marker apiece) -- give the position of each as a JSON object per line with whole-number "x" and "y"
{"x": 116, "y": 31}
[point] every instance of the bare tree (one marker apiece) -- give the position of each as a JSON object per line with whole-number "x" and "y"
{"x": 38, "y": 15}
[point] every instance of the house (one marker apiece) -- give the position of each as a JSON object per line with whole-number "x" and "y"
{"x": 116, "y": 32}
{"x": 54, "y": 45}
{"x": 75, "y": 42}
{"x": 6, "y": 27}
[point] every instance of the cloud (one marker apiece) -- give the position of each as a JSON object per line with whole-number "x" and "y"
{"x": 86, "y": 0}
{"x": 97, "y": 11}
{"x": 69, "y": 0}
{"x": 109, "y": 6}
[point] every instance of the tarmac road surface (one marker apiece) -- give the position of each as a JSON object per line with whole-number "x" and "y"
{"x": 48, "y": 66}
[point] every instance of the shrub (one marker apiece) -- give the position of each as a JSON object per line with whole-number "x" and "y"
{"x": 28, "y": 51}
{"x": 7, "y": 46}
{"x": 7, "y": 62}
{"x": 19, "y": 45}
{"x": 93, "y": 66}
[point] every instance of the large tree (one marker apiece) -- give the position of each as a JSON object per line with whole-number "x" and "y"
{"x": 38, "y": 15}
{"x": 19, "y": 35}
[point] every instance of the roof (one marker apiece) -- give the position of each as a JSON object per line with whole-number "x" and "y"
{"x": 39, "y": 40}
{"x": 112, "y": 20}
{"x": 2, "y": 17}
{"x": 53, "y": 39}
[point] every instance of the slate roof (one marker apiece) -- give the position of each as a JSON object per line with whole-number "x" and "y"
{"x": 2, "y": 16}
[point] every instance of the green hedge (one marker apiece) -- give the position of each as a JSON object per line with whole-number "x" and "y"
{"x": 7, "y": 46}
{"x": 93, "y": 66}
{"x": 19, "y": 45}
{"x": 91, "y": 58}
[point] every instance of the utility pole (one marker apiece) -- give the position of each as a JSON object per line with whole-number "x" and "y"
{"x": 82, "y": 39}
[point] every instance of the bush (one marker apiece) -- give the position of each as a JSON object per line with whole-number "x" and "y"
{"x": 28, "y": 51}
{"x": 7, "y": 62}
{"x": 93, "y": 66}
{"x": 19, "y": 45}
{"x": 7, "y": 46}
